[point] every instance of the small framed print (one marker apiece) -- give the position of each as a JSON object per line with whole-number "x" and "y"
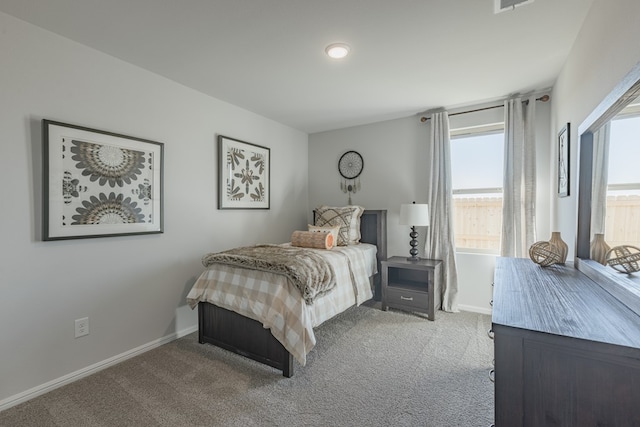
{"x": 563, "y": 161}
{"x": 99, "y": 184}
{"x": 244, "y": 174}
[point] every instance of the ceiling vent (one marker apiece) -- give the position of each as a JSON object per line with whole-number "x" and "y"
{"x": 505, "y": 5}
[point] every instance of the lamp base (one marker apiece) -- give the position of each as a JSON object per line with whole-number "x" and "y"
{"x": 413, "y": 243}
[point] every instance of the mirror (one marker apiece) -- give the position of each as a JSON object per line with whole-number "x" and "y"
{"x": 615, "y": 203}
{"x": 623, "y": 95}
{"x": 625, "y": 287}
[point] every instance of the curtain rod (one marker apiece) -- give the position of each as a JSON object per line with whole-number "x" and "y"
{"x": 543, "y": 98}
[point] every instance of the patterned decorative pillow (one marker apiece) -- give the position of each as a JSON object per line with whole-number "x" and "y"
{"x": 334, "y": 230}
{"x": 347, "y": 218}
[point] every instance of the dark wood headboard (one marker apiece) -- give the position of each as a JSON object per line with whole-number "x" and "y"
{"x": 373, "y": 230}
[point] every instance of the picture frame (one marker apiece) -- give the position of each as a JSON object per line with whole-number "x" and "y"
{"x": 244, "y": 174}
{"x": 564, "y": 161}
{"x": 100, "y": 184}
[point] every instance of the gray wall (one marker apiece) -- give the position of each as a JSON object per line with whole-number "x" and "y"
{"x": 131, "y": 288}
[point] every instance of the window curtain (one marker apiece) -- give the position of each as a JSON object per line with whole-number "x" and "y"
{"x": 519, "y": 189}
{"x": 599, "y": 180}
{"x": 440, "y": 242}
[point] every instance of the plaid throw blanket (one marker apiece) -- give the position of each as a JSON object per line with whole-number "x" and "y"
{"x": 309, "y": 272}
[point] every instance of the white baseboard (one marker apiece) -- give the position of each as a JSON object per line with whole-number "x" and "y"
{"x": 84, "y": 372}
{"x": 474, "y": 309}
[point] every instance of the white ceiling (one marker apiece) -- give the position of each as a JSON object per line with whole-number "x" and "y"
{"x": 267, "y": 56}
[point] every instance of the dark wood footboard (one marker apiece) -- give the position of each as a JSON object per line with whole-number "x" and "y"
{"x": 241, "y": 335}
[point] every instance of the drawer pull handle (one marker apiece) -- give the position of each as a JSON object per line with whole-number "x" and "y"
{"x": 492, "y": 375}
{"x": 406, "y": 298}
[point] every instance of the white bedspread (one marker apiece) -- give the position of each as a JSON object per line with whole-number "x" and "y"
{"x": 275, "y": 302}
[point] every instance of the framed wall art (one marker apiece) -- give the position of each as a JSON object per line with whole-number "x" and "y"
{"x": 100, "y": 184}
{"x": 563, "y": 161}
{"x": 244, "y": 174}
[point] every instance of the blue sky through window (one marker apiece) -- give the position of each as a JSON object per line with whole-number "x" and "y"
{"x": 477, "y": 161}
{"x": 624, "y": 151}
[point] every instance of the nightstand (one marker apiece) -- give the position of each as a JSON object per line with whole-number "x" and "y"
{"x": 411, "y": 285}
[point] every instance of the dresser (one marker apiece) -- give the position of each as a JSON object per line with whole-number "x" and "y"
{"x": 567, "y": 353}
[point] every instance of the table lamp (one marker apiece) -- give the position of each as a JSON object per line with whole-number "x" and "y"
{"x": 415, "y": 215}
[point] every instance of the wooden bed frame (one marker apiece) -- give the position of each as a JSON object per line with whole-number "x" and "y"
{"x": 247, "y": 337}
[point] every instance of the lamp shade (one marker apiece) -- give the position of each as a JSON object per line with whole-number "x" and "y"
{"x": 414, "y": 214}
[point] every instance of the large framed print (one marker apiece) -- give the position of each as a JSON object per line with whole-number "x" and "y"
{"x": 244, "y": 174}
{"x": 563, "y": 161}
{"x": 100, "y": 184}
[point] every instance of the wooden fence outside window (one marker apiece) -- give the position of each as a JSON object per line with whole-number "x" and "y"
{"x": 478, "y": 222}
{"x": 622, "y": 222}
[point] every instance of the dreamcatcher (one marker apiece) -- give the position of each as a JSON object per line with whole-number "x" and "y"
{"x": 350, "y": 167}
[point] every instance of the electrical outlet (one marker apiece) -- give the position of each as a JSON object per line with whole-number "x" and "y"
{"x": 82, "y": 327}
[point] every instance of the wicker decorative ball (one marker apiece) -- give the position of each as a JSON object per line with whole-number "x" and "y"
{"x": 625, "y": 258}
{"x": 545, "y": 253}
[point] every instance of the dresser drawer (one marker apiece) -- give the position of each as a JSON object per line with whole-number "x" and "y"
{"x": 407, "y": 299}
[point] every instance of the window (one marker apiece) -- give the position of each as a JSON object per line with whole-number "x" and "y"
{"x": 476, "y": 172}
{"x": 622, "y": 222}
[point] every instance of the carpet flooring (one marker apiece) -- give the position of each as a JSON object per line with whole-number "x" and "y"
{"x": 369, "y": 368}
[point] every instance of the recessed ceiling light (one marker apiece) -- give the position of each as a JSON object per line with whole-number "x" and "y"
{"x": 337, "y": 50}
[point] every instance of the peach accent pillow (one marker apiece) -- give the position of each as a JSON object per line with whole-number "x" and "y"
{"x": 312, "y": 239}
{"x": 334, "y": 230}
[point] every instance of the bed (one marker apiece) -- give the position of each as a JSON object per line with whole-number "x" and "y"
{"x": 233, "y": 315}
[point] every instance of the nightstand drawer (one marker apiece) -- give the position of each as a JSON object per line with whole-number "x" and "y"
{"x": 407, "y": 298}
